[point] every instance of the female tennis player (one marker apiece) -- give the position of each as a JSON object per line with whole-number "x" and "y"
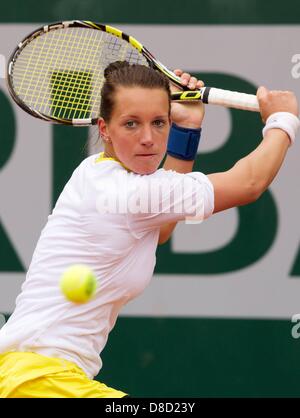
{"x": 111, "y": 215}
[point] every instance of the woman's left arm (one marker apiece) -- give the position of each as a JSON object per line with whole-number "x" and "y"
{"x": 184, "y": 115}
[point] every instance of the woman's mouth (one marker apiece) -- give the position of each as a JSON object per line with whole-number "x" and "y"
{"x": 145, "y": 155}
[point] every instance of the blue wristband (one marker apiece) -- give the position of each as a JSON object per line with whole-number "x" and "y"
{"x": 183, "y": 142}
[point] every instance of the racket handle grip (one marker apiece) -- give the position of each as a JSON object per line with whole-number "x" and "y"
{"x": 234, "y": 99}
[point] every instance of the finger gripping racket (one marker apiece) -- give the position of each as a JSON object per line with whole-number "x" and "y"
{"x": 56, "y": 73}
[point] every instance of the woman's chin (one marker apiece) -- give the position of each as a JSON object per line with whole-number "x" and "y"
{"x": 147, "y": 170}
{"x": 144, "y": 169}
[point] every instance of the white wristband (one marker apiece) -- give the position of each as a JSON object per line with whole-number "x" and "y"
{"x": 286, "y": 121}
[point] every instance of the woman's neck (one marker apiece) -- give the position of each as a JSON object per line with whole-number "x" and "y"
{"x": 109, "y": 152}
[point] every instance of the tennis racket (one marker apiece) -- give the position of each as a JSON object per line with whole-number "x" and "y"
{"x": 57, "y": 71}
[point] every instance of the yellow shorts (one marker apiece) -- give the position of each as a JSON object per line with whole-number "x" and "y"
{"x": 31, "y": 375}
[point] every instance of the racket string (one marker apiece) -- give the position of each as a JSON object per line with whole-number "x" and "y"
{"x": 62, "y": 83}
{"x": 62, "y": 72}
{"x": 80, "y": 79}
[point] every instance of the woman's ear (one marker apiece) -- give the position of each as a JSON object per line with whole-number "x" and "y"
{"x": 103, "y": 130}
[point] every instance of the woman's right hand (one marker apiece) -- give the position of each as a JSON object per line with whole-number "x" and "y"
{"x": 187, "y": 114}
{"x": 272, "y": 101}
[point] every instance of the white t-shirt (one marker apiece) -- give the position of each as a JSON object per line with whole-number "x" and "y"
{"x": 102, "y": 220}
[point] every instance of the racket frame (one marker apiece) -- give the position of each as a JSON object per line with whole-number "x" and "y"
{"x": 184, "y": 95}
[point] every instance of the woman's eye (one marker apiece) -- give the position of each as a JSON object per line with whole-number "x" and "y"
{"x": 159, "y": 122}
{"x": 130, "y": 124}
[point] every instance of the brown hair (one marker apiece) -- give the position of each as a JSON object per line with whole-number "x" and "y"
{"x": 121, "y": 73}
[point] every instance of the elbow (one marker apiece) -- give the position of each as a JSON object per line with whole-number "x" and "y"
{"x": 254, "y": 190}
{"x": 254, "y": 184}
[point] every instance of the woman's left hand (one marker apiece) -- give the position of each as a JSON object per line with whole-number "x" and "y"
{"x": 187, "y": 114}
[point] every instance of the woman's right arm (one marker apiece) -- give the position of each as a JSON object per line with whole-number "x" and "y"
{"x": 250, "y": 177}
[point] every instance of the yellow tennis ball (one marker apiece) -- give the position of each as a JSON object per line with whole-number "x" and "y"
{"x": 78, "y": 283}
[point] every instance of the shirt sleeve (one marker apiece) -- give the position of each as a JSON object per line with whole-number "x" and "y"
{"x": 167, "y": 196}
